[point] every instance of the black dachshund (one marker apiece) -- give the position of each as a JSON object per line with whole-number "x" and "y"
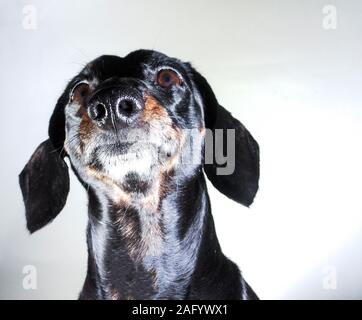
{"x": 137, "y": 133}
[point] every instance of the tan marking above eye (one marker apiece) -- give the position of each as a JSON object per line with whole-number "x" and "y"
{"x": 79, "y": 93}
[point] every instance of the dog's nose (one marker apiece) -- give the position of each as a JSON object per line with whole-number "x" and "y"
{"x": 115, "y": 106}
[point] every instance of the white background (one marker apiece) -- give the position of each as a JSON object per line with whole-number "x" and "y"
{"x": 295, "y": 85}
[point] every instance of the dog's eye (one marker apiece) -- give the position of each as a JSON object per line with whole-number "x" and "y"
{"x": 79, "y": 93}
{"x": 167, "y": 78}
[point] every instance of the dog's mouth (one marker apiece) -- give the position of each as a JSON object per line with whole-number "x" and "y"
{"x": 131, "y": 148}
{"x": 133, "y": 163}
{"x": 113, "y": 150}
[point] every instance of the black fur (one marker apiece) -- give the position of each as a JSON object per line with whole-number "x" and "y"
{"x": 44, "y": 183}
{"x": 191, "y": 265}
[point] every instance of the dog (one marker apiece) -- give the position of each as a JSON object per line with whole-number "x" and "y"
{"x": 125, "y": 123}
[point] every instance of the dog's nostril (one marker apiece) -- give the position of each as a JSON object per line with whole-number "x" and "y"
{"x": 98, "y": 112}
{"x": 126, "y": 107}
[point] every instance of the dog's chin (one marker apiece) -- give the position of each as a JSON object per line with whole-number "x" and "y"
{"x": 133, "y": 169}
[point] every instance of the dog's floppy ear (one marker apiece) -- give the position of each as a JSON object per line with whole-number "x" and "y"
{"x": 44, "y": 183}
{"x": 241, "y": 184}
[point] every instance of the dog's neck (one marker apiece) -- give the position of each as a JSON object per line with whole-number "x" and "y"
{"x": 146, "y": 249}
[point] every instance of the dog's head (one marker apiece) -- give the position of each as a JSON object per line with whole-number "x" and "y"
{"x": 126, "y": 124}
